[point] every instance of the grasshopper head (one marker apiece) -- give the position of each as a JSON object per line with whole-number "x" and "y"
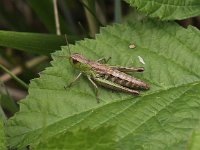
{"x": 79, "y": 62}
{"x": 77, "y": 58}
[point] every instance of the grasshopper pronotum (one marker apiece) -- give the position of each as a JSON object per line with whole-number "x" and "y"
{"x": 112, "y": 77}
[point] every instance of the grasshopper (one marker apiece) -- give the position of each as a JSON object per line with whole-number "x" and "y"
{"x": 113, "y": 77}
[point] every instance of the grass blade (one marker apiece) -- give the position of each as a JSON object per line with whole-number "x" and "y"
{"x": 33, "y": 42}
{"x": 14, "y": 77}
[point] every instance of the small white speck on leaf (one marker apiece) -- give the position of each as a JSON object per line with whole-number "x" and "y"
{"x": 141, "y": 60}
{"x": 132, "y": 46}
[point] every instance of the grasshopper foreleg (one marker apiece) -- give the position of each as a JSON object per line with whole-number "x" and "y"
{"x": 96, "y": 88}
{"x": 103, "y": 60}
{"x": 128, "y": 69}
{"x": 72, "y": 82}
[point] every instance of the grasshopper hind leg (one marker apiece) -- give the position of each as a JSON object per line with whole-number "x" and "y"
{"x": 115, "y": 86}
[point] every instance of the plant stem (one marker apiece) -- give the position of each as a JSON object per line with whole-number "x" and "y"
{"x": 118, "y": 11}
{"x": 28, "y": 64}
{"x": 56, "y": 17}
{"x": 14, "y": 77}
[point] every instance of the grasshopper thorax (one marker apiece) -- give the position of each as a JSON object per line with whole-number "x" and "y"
{"x": 81, "y": 63}
{"x": 77, "y": 58}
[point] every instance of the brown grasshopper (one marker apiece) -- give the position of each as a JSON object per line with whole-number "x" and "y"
{"x": 112, "y": 77}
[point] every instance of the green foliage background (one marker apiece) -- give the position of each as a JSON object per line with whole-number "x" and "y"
{"x": 168, "y": 9}
{"x": 2, "y": 136}
{"x": 102, "y": 138}
{"x": 165, "y": 117}
{"x": 161, "y": 118}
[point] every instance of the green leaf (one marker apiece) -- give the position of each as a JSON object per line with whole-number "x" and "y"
{"x": 194, "y": 140}
{"x": 31, "y": 42}
{"x": 85, "y": 139}
{"x": 168, "y": 10}
{"x": 2, "y": 137}
{"x": 162, "y": 118}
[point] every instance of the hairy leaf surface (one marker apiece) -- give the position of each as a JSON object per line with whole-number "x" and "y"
{"x": 162, "y": 118}
{"x": 168, "y": 9}
{"x": 102, "y": 138}
{"x": 2, "y": 136}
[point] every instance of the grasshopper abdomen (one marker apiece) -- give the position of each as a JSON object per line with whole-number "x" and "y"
{"x": 120, "y": 78}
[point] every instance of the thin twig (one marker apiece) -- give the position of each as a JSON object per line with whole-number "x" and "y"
{"x": 56, "y": 17}
{"x": 13, "y": 93}
{"x": 14, "y": 76}
{"x": 19, "y": 69}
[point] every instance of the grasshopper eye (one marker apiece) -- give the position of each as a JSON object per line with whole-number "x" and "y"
{"x": 74, "y": 61}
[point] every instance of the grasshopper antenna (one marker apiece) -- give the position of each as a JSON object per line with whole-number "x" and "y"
{"x": 67, "y": 44}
